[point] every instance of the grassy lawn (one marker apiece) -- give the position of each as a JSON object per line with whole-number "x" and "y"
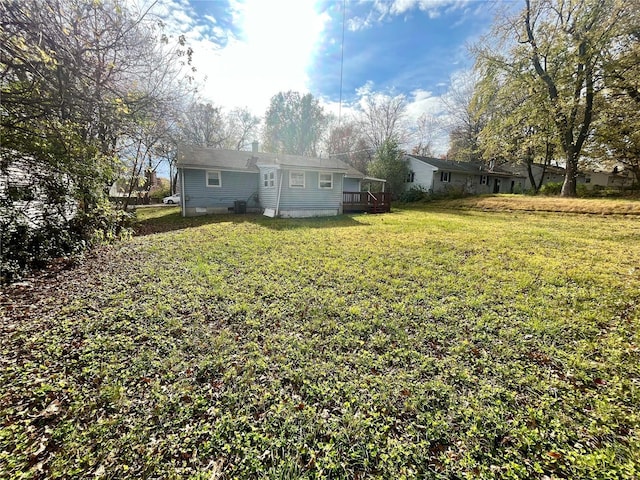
{"x": 429, "y": 342}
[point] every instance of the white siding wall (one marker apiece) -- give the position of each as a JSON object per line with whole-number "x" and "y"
{"x": 269, "y": 195}
{"x": 423, "y": 175}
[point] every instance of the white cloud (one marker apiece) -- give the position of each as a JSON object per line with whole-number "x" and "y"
{"x": 381, "y": 9}
{"x": 358, "y": 23}
{"x": 271, "y": 53}
{"x": 424, "y": 102}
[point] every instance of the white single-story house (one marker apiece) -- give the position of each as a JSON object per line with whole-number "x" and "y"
{"x": 226, "y": 181}
{"x": 617, "y": 178}
{"x": 442, "y": 176}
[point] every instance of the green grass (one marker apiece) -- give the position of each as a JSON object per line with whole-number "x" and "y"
{"x": 425, "y": 343}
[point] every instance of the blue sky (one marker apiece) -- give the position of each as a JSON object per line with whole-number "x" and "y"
{"x": 408, "y": 51}
{"x": 248, "y": 50}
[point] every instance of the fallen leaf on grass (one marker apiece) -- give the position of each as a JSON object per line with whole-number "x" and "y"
{"x": 52, "y": 410}
{"x": 41, "y": 448}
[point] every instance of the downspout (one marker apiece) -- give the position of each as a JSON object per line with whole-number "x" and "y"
{"x": 183, "y": 197}
{"x": 279, "y": 192}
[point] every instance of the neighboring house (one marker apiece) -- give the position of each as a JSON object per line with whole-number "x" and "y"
{"x": 222, "y": 181}
{"x": 32, "y": 194}
{"x": 614, "y": 178}
{"x": 548, "y": 174}
{"x": 618, "y": 177}
{"x": 442, "y": 176}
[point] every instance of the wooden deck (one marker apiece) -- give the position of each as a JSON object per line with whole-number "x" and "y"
{"x": 378, "y": 202}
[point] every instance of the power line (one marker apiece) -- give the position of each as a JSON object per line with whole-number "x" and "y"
{"x": 344, "y": 9}
{"x": 351, "y": 151}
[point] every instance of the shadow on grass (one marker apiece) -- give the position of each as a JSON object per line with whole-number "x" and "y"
{"x": 151, "y": 221}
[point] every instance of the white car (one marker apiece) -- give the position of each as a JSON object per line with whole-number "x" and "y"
{"x": 175, "y": 198}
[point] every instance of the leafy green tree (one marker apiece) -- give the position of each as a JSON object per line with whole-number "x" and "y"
{"x": 78, "y": 80}
{"x": 617, "y": 134}
{"x": 294, "y": 124}
{"x": 618, "y": 128}
{"x": 389, "y": 164}
{"x": 518, "y": 126}
{"x": 561, "y": 44}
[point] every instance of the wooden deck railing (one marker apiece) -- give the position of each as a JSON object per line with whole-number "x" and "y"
{"x": 372, "y": 202}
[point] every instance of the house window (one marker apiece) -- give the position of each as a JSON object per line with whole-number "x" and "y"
{"x": 296, "y": 179}
{"x": 445, "y": 176}
{"x": 214, "y": 179}
{"x": 587, "y": 180}
{"x": 411, "y": 176}
{"x": 325, "y": 180}
{"x": 484, "y": 180}
{"x": 269, "y": 179}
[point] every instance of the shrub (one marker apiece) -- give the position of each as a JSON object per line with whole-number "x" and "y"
{"x": 27, "y": 245}
{"x": 582, "y": 191}
{"x": 414, "y": 194}
{"x": 104, "y": 224}
{"x": 160, "y": 193}
{"x": 551, "y": 188}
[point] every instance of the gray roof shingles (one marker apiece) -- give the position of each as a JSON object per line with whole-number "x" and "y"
{"x": 201, "y": 157}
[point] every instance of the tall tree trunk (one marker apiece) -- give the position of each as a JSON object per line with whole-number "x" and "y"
{"x": 571, "y": 175}
{"x": 532, "y": 178}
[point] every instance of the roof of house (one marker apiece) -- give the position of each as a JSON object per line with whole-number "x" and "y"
{"x": 617, "y": 170}
{"x": 472, "y": 168}
{"x": 201, "y": 157}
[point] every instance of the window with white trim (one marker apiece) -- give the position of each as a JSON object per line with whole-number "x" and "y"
{"x": 445, "y": 176}
{"x": 325, "y": 180}
{"x": 296, "y": 179}
{"x": 411, "y": 177}
{"x": 214, "y": 178}
{"x": 269, "y": 179}
{"x": 484, "y": 180}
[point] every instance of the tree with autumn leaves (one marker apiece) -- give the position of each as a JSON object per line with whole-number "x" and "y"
{"x": 554, "y": 74}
